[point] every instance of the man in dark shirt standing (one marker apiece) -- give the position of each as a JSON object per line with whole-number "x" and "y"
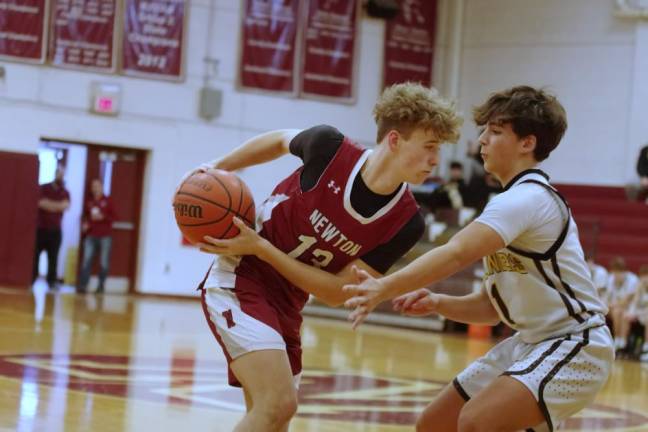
{"x": 98, "y": 216}
{"x": 54, "y": 199}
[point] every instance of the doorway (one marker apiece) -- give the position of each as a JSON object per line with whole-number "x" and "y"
{"x": 121, "y": 172}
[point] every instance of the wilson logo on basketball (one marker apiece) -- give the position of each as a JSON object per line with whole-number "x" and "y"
{"x": 188, "y": 210}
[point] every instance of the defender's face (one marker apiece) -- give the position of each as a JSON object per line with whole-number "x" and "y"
{"x": 499, "y": 146}
{"x": 418, "y": 155}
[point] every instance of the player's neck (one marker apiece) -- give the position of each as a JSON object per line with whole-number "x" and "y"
{"x": 508, "y": 174}
{"x": 378, "y": 174}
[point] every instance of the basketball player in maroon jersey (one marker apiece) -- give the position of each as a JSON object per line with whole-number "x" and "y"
{"x": 344, "y": 206}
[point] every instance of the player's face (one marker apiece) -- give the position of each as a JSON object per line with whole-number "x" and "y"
{"x": 419, "y": 154}
{"x": 499, "y": 147}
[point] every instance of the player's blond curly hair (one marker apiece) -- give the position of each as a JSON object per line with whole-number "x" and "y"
{"x": 409, "y": 106}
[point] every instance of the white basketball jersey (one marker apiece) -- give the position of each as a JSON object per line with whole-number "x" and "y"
{"x": 539, "y": 283}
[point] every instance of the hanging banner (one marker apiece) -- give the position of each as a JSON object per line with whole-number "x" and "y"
{"x": 153, "y": 38}
{"x": 268, "y": 40}
{"x": 82, "y": 34}
{"x": 329, "y": 49}
{"x": 409, "y": 43}
{"x": 22, "y": 30}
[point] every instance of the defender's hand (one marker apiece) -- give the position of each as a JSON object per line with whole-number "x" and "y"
{"x": 417, "y": 303}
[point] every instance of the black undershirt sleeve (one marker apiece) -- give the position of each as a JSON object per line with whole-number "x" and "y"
{"x": 384, "y": 256}
{"x": 316, "y": 147}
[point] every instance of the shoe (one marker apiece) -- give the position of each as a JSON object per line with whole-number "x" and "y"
{"x": 644, "y": 357}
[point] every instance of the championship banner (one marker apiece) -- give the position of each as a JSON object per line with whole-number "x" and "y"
{"x": 409, "y": 43}
{"x": 268, "y": 39}
{"x": 329, "y": 49}
{"x": 153, "y": 38}
{"x": 22, "y": 30}
{"x": 82, "y": 34}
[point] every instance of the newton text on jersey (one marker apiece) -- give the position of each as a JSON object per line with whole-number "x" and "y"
{"x": 332, "y": 235}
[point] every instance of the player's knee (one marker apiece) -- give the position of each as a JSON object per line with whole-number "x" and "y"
{"x": 281, "y": 408}
{"x": 288, "y": 405}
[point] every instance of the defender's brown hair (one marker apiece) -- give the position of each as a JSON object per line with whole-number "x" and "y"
{"x": 530, "y": 111}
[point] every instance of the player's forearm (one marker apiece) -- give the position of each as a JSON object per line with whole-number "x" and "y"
{"x": 257, "y": 150}
{"x": 473, "y": 308}
{"x": 326, "y": 286}
{"x": 431, "y": 267}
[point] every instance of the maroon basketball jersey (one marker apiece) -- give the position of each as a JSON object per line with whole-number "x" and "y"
{"x": 319, "y": 227}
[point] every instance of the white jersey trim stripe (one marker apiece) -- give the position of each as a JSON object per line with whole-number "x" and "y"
{"x": 349, "y": 186}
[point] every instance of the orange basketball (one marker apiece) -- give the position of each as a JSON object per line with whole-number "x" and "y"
{"x": 207, "y": 202}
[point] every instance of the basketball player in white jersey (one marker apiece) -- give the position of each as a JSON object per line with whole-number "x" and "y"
{"x": 536, "y": 281}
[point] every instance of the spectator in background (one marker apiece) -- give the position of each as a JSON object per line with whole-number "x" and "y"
{"x": 452, "y": 193}
{"x": 53, "y": 200}
{"x": 642, "y": 170}
{"x": 620, "y": 288}
{"x": 97, "y": 219}
{"x": 599, "y": 276}
{"x": 638, "y": 311}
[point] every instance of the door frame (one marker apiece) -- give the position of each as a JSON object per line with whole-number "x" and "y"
{"x": 141, "y": 161}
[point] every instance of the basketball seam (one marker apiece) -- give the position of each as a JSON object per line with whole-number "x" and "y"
{"x": 229, "y": 197}
{"x": 238, "y": 210}
{"x": 247, "y": 210}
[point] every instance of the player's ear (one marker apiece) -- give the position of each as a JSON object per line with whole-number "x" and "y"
{"x": 529, "y": 143}
{"x": 393, "y": 139}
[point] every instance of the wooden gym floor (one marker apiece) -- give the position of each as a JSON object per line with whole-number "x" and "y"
{"x": 131, "y": 363}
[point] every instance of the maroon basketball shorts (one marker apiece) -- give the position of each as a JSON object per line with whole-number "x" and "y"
{"x": 242, "y": 325}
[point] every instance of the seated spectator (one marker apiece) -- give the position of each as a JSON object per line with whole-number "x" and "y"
{"x": 599, "y": 275}
{"x": 452, "y": 193}
{"x": 638, "y": 311}
{"x": 642, "y": 170}
{"x": 620, "y": 288}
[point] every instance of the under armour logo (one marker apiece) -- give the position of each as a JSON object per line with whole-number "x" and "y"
{"x": 229, "y": 318}
{"x": 336, "y": 189}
